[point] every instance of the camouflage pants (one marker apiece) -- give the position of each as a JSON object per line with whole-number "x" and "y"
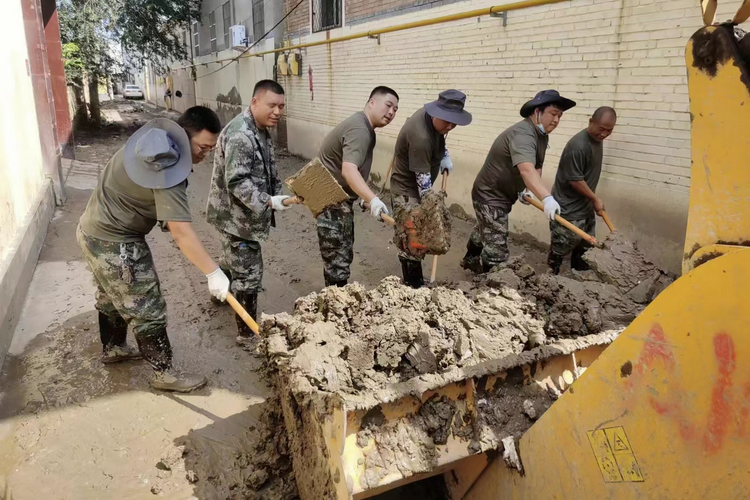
{"x": 128, "y": 288}
{"x": 563, "y": 241}
{"x": 491, "y": 234}
{"x": 404, "y": 201}
{"x": 244, "y": 260}
{"x": 336, "y": 240}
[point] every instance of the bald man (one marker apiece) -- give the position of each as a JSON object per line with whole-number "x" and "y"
{"x": 575, "y": 189}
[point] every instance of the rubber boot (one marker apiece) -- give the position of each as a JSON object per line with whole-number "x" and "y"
{"x": 472, "y": 261}
{"x": 113, "y": 332}
{"x": 245, "y": 336}
{"x": 157, "y": 350}
{"x": 576, "y": 259}
{"x": 333, "y": 282}
{"x": 554, "y": 262}
{"x": 412, "y": 271}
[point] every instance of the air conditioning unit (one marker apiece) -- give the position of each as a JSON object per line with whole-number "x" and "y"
{"x": 238, "y": 35}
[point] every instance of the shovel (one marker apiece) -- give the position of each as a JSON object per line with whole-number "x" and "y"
{"x": 249, "y": 321}
{"x": 608, "y": 222}
{"x": 538, "y": 204}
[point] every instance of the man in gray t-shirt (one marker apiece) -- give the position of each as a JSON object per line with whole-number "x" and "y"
{"x": 575, "y": 189}
{"x": 513, "y": 169}
{"x": 347, "y": 153}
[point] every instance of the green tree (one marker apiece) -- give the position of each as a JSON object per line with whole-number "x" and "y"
{"x": 97, "y": 33}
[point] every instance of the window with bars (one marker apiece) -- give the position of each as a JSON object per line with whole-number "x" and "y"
{"x": 227, "y": 16}
{"x": 212, "y": 30}
{"x": 326, "y": 15}
{"x": 196, "y": 39}
{"x": 259, "y": 22}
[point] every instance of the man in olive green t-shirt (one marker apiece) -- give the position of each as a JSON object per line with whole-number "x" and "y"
{"x": 575, "y": 188}
{"x": 512, "y": 170}
{"x": 420, "y": 155}
{"x": 145, "y": 183}
{"x": 347, "y": 153}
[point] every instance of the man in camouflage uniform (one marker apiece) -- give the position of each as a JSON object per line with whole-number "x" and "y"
{"x": 575, "y": 188}
{"x": 347, "y": 153}
{"x": 245, "y": 192}
{"x": 145, "y": 183}
{"x": 420, "y": 154}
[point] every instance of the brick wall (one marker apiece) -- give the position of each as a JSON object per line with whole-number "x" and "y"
{"x": 628, "y": 54}
{"x": 298, "y": 23}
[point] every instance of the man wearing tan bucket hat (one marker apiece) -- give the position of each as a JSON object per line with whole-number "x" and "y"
{"x": 144, "y": 183}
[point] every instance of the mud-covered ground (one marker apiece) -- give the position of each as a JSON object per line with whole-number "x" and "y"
{"x": 71, "y": 428}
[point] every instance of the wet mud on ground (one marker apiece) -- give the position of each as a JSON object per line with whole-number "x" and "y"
{"x": 71, "y": 428}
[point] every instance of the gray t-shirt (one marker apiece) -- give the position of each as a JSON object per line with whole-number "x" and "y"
{"x": 499, "y": 180}
{"x": 419, "y": 150}
{"x": 351, "y": 141}
{"x": 581, "y": 160}
{"x": 121, "y": 211}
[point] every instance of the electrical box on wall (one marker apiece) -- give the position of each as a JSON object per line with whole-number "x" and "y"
{"x": 238, "y": 35}
{"x": 295, "y": 63}
{"x": 281, "y": 65}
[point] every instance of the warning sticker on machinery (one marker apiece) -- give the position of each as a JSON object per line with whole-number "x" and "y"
{"x": 614, "y": 455}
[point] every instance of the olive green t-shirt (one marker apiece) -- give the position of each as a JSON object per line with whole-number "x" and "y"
{"x": 352, "y": 141}
{"x": 499, "y": 180}
{"x": 581, "y": 160}
{"x": 419, "y": 150}
{"x": 120, "y": 210}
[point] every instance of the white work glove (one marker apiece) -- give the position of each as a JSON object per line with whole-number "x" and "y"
{"x": 522, "y": 196}
{"x": 551, "y": 207}
{"x": 446, "y": 164}
{"x": 377, "y": 207}
{"x": 277, "y": 202}
{"x": 218, "y": 284}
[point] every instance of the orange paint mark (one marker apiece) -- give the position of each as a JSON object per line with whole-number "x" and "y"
{"x": 719, "y": 416}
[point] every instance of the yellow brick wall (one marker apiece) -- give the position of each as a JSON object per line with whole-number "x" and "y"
{"x": 628, "y": 54}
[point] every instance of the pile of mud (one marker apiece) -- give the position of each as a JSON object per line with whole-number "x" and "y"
{"x": 425, "y": 228}
{"x": 349, "y": 339}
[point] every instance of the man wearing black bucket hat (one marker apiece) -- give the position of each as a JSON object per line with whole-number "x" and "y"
{"x": 419, "y": 157}
{"x": 144, "y": 183}
{"x": 513, "y": 169}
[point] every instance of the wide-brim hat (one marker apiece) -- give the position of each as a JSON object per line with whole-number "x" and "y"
{"x": 158, "y": 155}
{"x": 546, "y": 97}
{"x": 449, "y": 106}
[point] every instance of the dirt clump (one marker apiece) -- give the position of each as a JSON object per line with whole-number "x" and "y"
{"x": 619, "y": 262}
{"x": 425, "y": 228}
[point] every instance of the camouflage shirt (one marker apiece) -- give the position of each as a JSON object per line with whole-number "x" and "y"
{"x": 243, "y": 181}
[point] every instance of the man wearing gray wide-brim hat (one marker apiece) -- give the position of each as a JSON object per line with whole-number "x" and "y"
{"x": 419, "y": 157}
{"x": 512, "y": 170}
{"x": 144, "y": 183}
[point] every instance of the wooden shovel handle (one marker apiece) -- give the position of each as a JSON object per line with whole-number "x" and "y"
{"x": 388, "y": 219}
{"x": 249, "y": 321}
{"x": 538, "y": 204}
{"x": 294, "y": 200}
{"x": 607, "y": 221}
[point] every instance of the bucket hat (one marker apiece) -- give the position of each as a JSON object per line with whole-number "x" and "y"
{"x": 546, "y": 97}
{"x": 449, "y": 106}
{"x": 158, "y": 155}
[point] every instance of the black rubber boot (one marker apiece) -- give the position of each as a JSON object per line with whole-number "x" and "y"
{"x": 472, "y": 261}
{"x": 576, "y": 259}
{"x": 113, "y": 332}
{"x": 333, "y": 282}
{"x": 554, "y": 262}
{"x": 248, "y": 300}
{"x": 156, "y": 349}
{"x": 412, "y": 271}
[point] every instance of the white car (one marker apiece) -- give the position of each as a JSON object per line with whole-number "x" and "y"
{"x": 132, "y": 92}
